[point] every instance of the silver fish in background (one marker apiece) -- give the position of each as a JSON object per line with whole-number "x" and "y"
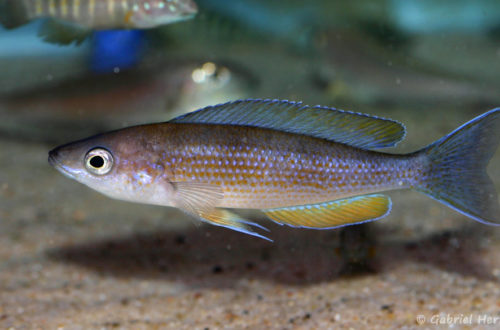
{"x": 73, "y": 20}
{"x": 155, "y": 90}
{"x": 308, "y": 167}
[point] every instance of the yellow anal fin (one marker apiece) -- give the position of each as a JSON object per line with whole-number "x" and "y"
{"x": 333, "y": 214}
{"x": 227, "y": 219}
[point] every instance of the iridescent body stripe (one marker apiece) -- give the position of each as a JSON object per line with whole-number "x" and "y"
{"x": 88, "y": 13}
{"x": 125, "y": 5}
{"x": 64, "y": 8}
{"x": 91, "y": 9}
{"x": 39, "y": 7}
{"x": 111, "y": 8}
{"x": 52, "y": 8}
{"x": 264, "y": 168}
{"x": 76, "y": 8}
{"x": 109, "y": 14}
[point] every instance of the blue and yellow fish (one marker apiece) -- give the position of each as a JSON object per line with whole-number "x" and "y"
{"x": 303, "y": 166}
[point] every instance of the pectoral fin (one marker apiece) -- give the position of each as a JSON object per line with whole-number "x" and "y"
{"x": 200, "y": 200}
{"x": 333, "y": 214}
{"x": 62, "y": 33}
{"x": 196, "y": 198}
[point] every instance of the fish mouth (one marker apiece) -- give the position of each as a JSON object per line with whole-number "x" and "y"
{"x": 53, "y": 161}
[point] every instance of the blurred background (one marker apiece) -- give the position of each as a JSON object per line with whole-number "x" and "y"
{"x": 417, "y": 55}
{"x": 69, "y": 256}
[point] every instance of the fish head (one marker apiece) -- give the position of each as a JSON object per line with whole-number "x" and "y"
{"x": 117, "y": 164}
{"x": 152, "y": 13}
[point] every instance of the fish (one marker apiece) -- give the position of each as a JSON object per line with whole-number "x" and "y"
{"x": 293, "y": 23}
{"x": 73, "y": 20}
{"x": 157, "y": 89}
{"x": 302, "y": 166}
{"x": 361, "y": 70}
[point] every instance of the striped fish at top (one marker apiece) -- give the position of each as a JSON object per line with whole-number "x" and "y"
{"x": 73, "y": 20}
{"x": 303, "y": 166}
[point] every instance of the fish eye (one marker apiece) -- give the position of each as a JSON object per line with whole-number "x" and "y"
{"x": 99, "y": 161}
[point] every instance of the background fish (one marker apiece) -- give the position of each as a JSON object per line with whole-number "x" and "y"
{"x": 158, "y": 89}
{"x": 72, "y": 20}
{"x": 309, "y": 167}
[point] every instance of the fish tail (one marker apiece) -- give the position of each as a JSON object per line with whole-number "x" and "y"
{"x": 456, "y": 164}
{"x": 12, "y": 13}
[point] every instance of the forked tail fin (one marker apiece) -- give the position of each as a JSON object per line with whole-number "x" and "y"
{"x": 456, "y": 170}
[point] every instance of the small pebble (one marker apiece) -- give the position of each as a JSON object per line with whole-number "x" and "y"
{"x": 217, "y": 269}
{"x": 180, "y": 239}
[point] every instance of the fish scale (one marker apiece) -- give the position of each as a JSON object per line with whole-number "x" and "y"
{"x": 258, "y": 173}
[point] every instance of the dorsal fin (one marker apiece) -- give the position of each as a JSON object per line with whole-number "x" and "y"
{"x": 355, "y": 129}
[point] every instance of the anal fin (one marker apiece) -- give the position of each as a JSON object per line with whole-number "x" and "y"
{"x": 338, "y": 213}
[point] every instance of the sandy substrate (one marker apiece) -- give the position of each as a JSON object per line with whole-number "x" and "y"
{"x": 71, "y": 258}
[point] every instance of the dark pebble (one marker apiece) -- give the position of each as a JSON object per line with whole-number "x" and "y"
{"x": 387, "y": 308}
{"x": 217, "y": 269}
{"x": 180, "y": 239}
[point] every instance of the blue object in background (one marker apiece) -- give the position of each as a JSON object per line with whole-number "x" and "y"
{"x": 116, "y": 49}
